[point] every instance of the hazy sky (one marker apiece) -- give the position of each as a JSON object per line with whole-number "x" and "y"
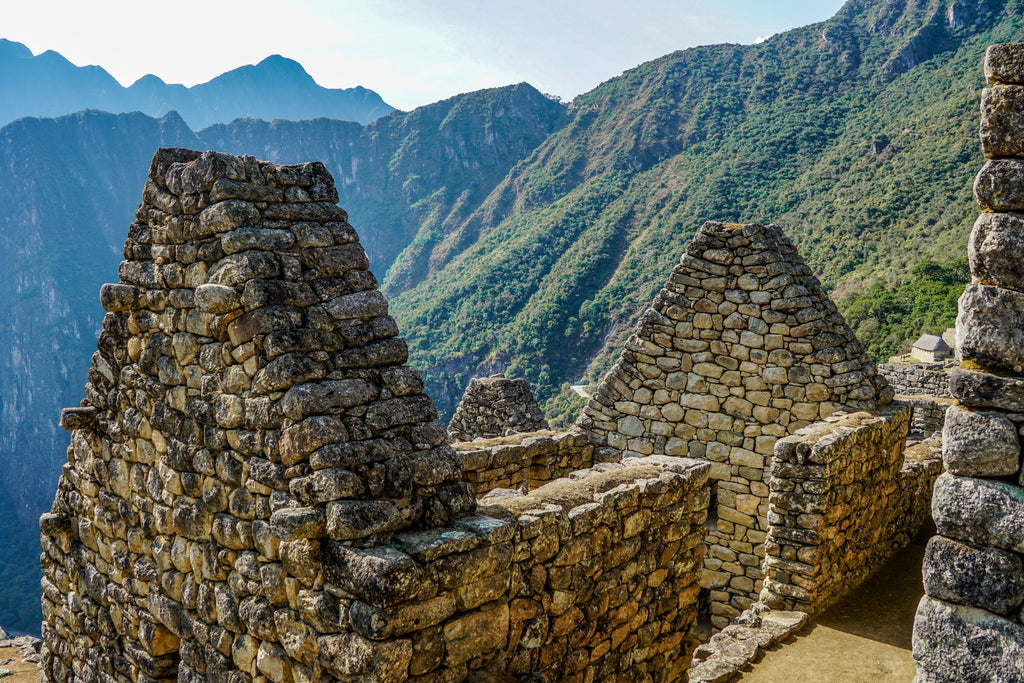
{"x": 412, "y": 52}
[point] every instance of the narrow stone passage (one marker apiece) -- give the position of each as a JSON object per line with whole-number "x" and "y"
{"x": 865, "y": 638}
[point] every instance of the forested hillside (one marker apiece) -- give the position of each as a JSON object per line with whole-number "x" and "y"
{"x": 857, "y": 135}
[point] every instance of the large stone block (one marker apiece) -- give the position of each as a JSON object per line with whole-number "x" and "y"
{"x": 1004, "y": 63}
{"x": 979, "y": 444}
{"x": 979, "y": 511}
{"x": 1002, "y": 121}
{"x": 996, "y": 250}
{"x": 956, "y": 644}
{"x": 985, "y": 390}
{"x": 980, "y": 577}
{"x": 1000, "y": 185}
{"x": 990, "y": 327}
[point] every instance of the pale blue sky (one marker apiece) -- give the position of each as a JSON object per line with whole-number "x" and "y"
{"x": 412, "y": 52}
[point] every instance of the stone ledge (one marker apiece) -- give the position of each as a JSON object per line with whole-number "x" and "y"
{"x": 733, "y": 648}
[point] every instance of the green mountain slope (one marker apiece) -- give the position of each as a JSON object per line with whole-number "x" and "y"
{"x": 857, "y": 135}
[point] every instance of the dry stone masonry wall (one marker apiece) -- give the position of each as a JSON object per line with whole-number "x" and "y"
{"x": 918, "y": 379}
{"x": 495, "y": 406}
{"x": 969, "y": 624}
{"x": 248, "y": 405}
{"x": 741, "y": 347}
{"x": 844, "y": 497}
{"x": 522, "y": 460}
{"x": 257, "y": 488}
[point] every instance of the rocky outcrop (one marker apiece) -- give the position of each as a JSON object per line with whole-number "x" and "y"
{"x": 496, "y": 406}
{"x": 968, "y": 624}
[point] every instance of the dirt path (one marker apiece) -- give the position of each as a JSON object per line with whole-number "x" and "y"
{"x": 865, "y": 638}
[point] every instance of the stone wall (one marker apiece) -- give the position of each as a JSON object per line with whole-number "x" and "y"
{"x": 968, "y": 625}
{"x": 257, "y": 488}
{"x": 740, "y": 348}
{"x": 929, "y": 415}
{"x": 918, "y": 379}
{"x": 495, "y": 406}
{"x": 843, "y": 498}
{"x": 522, "y": 460}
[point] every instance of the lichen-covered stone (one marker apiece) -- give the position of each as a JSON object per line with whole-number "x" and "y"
{"x": 979, "y": 577}
{"x": 956, "y": 643}
{"x": 1002, "y": 121}
{"x": 996, "y": 250}
{"x": 1000, "y": 185}
{"x": 990, "y": 327}
{"x": 981, "y": 512}
{"x": 1004, "y": 63}
{"x": 985, "y": 390}
{"x": 979, "y": 444}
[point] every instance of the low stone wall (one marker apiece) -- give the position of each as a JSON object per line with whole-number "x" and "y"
{"x": 929, "y": 415}
{"x": 843, "y": 499}
{"x": 522, "y": 460}
{"x": 594, "y": 578}
{"x": 917, "y": 379}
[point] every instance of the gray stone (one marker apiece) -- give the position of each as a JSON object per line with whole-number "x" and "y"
{"x": 211, "y": 298}
{"x": 1002, "y": 121}
{"x": 366, "y": 304}
{"x": 957, "y": 644}
{"x": 326, "y": 396}
{"x": 984, "y": 390}
{"x": 980, "y": 577}
{"x": 979, "y": 511}
{"x": 996, "y": 250}
{"x": 1004, "y": 63}
{"x": 990, "y": 327}
{"x": 1000, "y": 185}
{"x": 222, "y": 217}
{"x": 978, "y": 444}
{"x": 118, "y": 297}
{"x": 381, "y": 576}
{"x": 246, "y": 238}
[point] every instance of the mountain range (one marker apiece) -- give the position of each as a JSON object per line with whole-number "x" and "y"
{"x": 512, "y": 232}
{"x": 277, "y": 88}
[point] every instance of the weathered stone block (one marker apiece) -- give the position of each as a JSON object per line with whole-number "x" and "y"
{"x": 1000, "y": 185}
{"x": 381, "y": 576}
{"x": 1002, "y": 121}
{"x": 1004, "y": 63}
{"x": 980, "y": 512}
{"x": 996, "y": 250}
{"x": 351, "y": 656}
{"x": 328, "y": 396}
{"x": 954, "y": 643}
{"x": 990, "y": 327}
{"x": 978, "y": 444}
{"x": 979, "y": 577}
{"x": 985, "y": 390}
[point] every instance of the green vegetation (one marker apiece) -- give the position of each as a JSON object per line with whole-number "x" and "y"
{"x": 888, "y": 319}
{"x": 857, "y": 135}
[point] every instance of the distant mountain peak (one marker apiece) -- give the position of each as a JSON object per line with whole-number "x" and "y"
{"x": 11, "y": 49}
{"x": 277, "y": 87}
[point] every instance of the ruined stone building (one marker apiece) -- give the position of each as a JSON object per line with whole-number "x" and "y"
{"x": 258, "y": 489}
